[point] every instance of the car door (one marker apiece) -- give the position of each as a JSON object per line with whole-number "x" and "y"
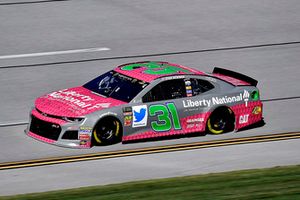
{"x": 155, "y": 114}
{"x": 195, "y": 107}
{"x": 163, "y": 102}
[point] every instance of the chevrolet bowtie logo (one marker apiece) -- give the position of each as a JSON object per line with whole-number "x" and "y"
{"x": 44, "y": 114}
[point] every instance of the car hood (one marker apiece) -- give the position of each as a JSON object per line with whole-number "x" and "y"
{"x": 74, "y": 102}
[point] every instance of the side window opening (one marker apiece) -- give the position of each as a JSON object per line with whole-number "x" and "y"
{"x": 200, "y": 86}
{"x": 155, "y": 94}
{"x": 171, "y": 89}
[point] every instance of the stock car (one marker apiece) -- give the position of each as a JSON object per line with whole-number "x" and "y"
{"x": 146, "y": 100}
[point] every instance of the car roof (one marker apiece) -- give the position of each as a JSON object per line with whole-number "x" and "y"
{"x": 149, "y": 70}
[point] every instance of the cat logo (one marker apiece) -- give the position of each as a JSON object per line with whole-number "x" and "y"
{"x": 244, "y": 119}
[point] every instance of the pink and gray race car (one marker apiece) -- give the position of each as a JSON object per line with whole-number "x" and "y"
{"x": 143, "y": 101}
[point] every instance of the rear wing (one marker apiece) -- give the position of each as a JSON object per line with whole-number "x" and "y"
{"x": 236, "y": 75}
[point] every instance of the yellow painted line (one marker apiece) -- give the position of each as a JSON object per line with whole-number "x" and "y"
{"x": 149, "y": 150}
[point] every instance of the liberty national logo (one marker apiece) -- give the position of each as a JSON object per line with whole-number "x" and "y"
{"x": 140, "y": 116}
{"x": 246, "y": 96}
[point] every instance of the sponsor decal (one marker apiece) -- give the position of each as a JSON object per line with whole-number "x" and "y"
{"x": 140, "y": 116}
{"x": 255, "y": 95}
{"x": 85, "y": 134}
{"x": 77, "y": 99}
{"x": 44, "y": 114}
{"x": 127, "y": 120}
{"x": 191, "y": 123}
{"x": 83, "y": 143}
{"x": 244, "y": 119}
{"x": 100, "y": 105}
{"x": 257, "y": 110}
{"x": 198, "y": 103}
{"x": 85, "y": 130}
{"x": 196, "y": 120}
{"x": 216, "y": 100}
{"x": 155, "y": 68}
{"x": 188, "y": 88}
{"x": 84, "y": 137}
{"x": 127, "y": 109}
{"x": 246, "y": 96}
{"x": 223, "y": 100}
{"x": 55, "y": 126}
{"x": 127, "y": 112}
{"x": 173, "y": 77}
{"x": 80, "y": 100}
{"x": 187, "y": 83}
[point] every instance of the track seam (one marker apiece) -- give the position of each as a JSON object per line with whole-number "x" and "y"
{"x": 30, "y": 2}
{"x": 153, "y": 55}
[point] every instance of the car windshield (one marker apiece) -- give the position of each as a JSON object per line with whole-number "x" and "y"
{"x": 116, "y": 85}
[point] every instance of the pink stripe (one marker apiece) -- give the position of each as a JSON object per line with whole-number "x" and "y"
{"x": 33, "y": 135}
{"x": 231, "y": 80}
{"x": 47, "y": 119}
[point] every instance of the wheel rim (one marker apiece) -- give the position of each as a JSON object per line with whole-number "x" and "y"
{"x": 107, "y": 132}
{"x": 216, "y": 125}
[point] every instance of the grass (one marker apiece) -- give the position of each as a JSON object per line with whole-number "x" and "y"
{"x": 279, "y": 183}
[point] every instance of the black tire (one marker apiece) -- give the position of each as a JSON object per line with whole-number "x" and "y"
{"x": 220, "y": 121}
{"x": 107, "y": 131}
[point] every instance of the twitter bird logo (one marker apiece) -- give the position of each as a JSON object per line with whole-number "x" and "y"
{"x": 139, "y": 116}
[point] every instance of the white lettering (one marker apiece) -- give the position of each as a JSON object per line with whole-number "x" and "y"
{"x": 244, "y": 119}
{"x": 100, "y": 105}
{"x": 189, "y": 103}
{"x": 75, "y": 98}
{"x": 246, "y": 96}
{"x": 216, "y": 100}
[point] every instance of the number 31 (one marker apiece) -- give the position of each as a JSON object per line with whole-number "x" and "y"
{"x": 163, "y": 122}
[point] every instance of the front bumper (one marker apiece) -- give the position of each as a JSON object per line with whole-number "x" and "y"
{"x": 57, "y": 131}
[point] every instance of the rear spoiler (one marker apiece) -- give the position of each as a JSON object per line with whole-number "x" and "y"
{"x": 236, "y": 75}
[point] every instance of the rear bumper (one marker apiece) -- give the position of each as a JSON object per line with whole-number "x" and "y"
{"x": 245, "y": 115}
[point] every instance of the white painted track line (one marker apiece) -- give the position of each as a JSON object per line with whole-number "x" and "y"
{"x": 88, "y": 50}
{"x": 14, "y": 123}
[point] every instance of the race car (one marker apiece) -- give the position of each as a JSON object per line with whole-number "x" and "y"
{"x": 146, "y": 100}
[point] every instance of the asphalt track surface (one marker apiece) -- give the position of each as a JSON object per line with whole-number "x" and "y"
{"x": 259, "y": 38}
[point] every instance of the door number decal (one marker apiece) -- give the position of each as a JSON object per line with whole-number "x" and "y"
{"x": 167, "y": 117}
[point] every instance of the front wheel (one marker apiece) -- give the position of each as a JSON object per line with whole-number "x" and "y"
{"x": 220, "y": 121}
{"x": 107, "y": 131}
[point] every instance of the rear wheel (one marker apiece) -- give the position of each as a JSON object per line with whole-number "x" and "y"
{"x": 220, "y": 121}
{"x": 107, "y": 131}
